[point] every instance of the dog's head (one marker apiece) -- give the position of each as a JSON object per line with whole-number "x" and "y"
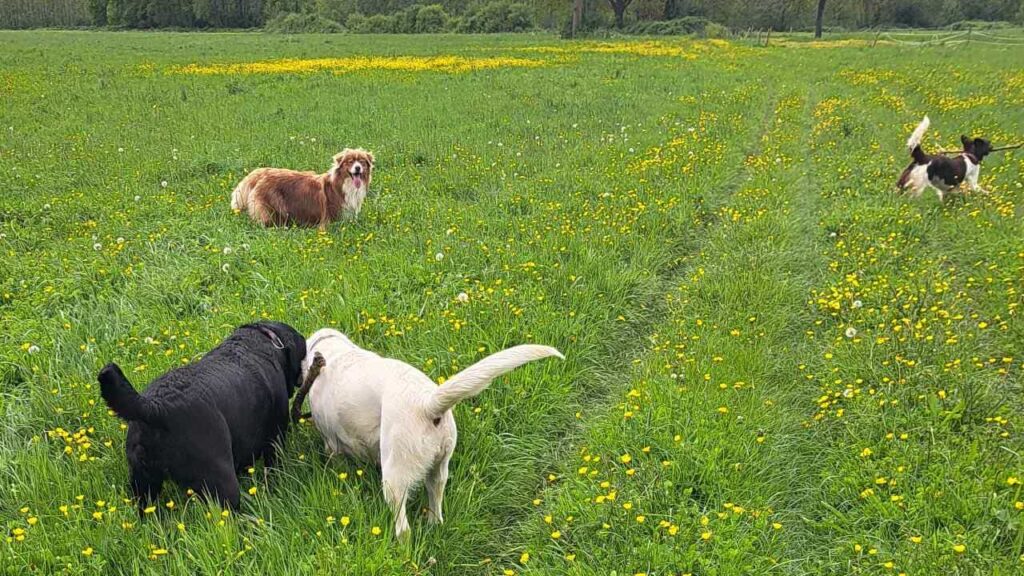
{"x": 294, "y": 350}
{"x": 977, "y": 147}
{"x": 355, "y": 164}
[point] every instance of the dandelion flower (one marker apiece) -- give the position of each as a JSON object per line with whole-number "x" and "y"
{"x": 252, "y": 491}
{"x": 375, "y": 530}
{"x": 959, "y": 548}
{"x": 524, "y": 558}
{"x": 87, "y": 552}
{"x": 345, "y": 520}
{"x": 556, "y": 535}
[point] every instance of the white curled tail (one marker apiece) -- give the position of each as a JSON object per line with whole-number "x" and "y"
{"x": 476, "y": 378}
{"x": 915, "y": 138}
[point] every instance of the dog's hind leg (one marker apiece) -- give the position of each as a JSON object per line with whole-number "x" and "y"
{"x": 222, "y": 485}
{"x": 397, "y": 486}
{"x": 146, "y": 485}
{"x": 437, "y": 479}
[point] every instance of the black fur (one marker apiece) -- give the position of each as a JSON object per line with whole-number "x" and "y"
{"x": 947, "y": 171}
{"x": 199, "y": 424}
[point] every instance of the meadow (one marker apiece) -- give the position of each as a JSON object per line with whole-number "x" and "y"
{"x": 774, "y": 363}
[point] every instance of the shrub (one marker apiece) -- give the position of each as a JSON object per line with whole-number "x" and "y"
{"x": 380, "y": 24}
{"x": 715, "y": 30}
{"x": 981, "y": 25}
{"x": 431, "y": 19}
{"x": 498, "y": 16}
{"x": 689, "y": 25}
{"x": 357, "y": 22}
{"x": 293, "y": 23}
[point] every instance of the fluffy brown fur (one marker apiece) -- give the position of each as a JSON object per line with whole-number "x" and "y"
{"x": 277, "y": 196}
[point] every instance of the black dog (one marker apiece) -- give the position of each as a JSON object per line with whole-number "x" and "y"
{"x": 200, "y": 424}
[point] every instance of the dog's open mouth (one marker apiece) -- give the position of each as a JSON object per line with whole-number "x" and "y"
{"x": 357, "y": 179}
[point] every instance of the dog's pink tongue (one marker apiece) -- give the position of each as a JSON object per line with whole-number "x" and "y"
{"x": 358, "y": 180}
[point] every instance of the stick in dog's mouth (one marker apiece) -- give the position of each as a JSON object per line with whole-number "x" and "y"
{"x": 314, "y": 371}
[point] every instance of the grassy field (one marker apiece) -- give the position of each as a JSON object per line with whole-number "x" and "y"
{"x": 775, "y": 365}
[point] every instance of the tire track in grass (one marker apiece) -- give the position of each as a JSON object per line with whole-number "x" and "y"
{"x": 686, "y": 230}
{"x": 912, "y": 409}
{"x": 684, "y": 471}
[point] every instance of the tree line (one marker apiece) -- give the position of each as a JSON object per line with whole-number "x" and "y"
{"x": 504, "y": 15}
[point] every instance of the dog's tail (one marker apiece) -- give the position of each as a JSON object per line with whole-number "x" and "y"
{"x": 914, "y": 142}
{"x": 476, "y": 378}
{"x": 121, "y": 397}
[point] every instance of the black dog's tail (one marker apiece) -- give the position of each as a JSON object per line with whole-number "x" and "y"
{"x": 121, "y": 397}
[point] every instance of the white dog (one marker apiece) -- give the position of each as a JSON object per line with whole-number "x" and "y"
{"x": 384, "y": 410}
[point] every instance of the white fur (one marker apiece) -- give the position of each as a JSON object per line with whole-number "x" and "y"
{"x": 971, "y": 177}
{"x": 384, "y": 410}
{"x": 354, "y": 196}
{"x": 919, "y": 180}
{"x": 918, "y": 134}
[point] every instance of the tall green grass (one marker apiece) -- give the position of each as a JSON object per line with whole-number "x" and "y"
{"x": 682, "y": 228}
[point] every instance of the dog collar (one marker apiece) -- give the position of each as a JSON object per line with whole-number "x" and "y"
{"x": 274, "y": 340}
{"x": 313, "y": 344}
{"x": 972, "y": 157}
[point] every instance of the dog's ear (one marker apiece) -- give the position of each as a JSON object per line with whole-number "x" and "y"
{"x": 965, "y": 140}
{"x": 370, "y": 158}
{"x": 294, "y": 353}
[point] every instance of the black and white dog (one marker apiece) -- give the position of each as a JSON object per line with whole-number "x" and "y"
{"x": 941, "y": 172}
{"x": 199, "y": 424}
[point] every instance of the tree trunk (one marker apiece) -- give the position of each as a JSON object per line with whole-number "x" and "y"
{"x": 821, "y": 17}
{"x": 577, "y": 17}
{"x": 619, "y": 6}
{"x": 670, "y": 9}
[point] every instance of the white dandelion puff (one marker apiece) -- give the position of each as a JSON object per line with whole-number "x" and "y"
{"x": 857, "y": 303}
{"x": 439, "y": 256}
{"x": 33, "y": 349}
{"x": 851, "y": 332}
{"x": 462, "y": 297}
{"x": 97, "y": 246}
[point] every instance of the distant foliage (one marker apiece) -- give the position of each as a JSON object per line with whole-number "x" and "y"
{"x": 689, "y": 25}
{"x": 661, "y": 17}
{"x": 431, "y": 19}
{"x": 497, "y": 16}
{"x": 44, "y": 13}
{"x": 303, "y": 24}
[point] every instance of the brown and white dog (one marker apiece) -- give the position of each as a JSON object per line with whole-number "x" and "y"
{"x": 277, "y": 196}
{"x": 941, "y": 172}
